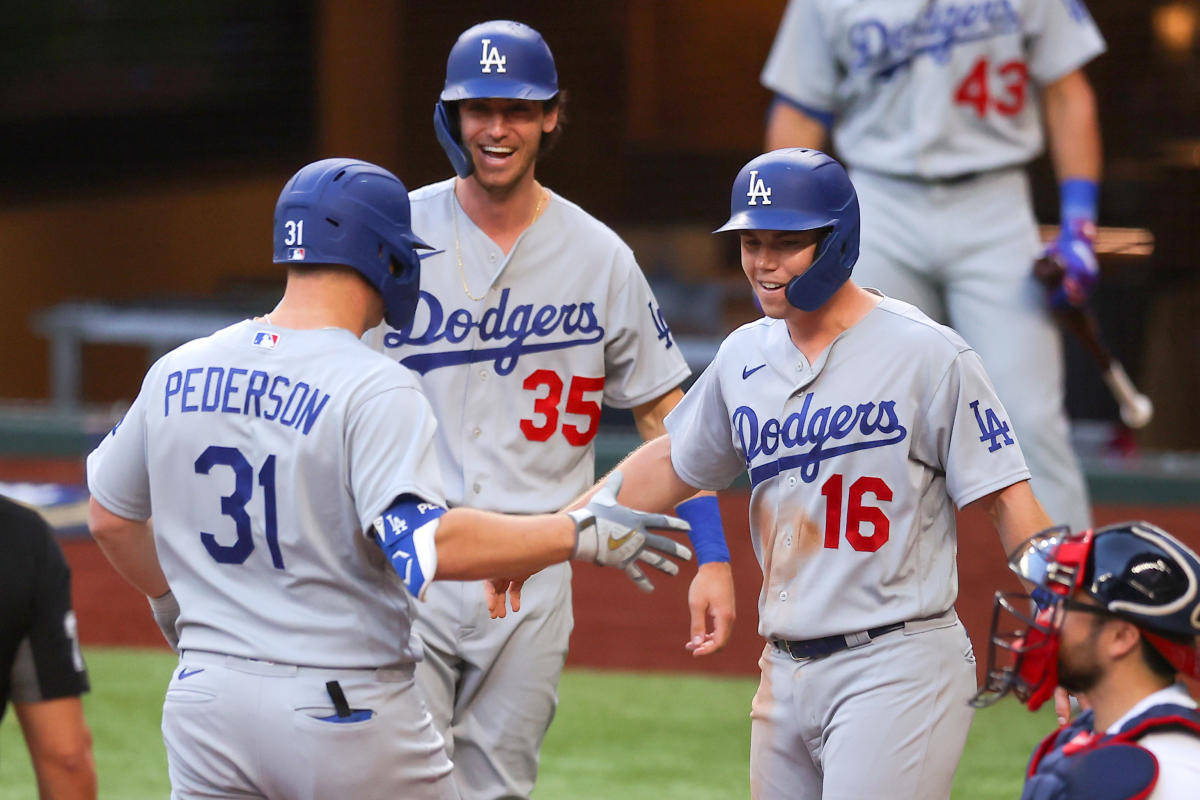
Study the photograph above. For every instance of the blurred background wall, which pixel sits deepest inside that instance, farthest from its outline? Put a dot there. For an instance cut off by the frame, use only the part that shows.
(144, 144)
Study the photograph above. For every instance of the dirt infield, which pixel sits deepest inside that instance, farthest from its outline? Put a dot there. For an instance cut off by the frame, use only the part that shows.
(617, 626)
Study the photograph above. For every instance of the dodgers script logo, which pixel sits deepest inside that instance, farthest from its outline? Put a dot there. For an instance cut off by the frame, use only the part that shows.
(882, 49)
(492, 58)
(877, 423)
(758, 190)
(516, 331)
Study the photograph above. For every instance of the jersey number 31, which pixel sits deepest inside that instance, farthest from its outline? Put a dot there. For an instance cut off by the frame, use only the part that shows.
(234, 505)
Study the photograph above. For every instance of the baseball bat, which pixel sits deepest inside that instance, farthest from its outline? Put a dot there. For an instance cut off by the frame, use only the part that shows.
(1136, 409)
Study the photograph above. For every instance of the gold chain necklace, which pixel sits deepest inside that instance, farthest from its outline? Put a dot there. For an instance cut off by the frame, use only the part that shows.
(462, 272)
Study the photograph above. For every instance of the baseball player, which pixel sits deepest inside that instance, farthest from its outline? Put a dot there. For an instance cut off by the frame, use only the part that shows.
(862, 425)
(41, 668)
(936, 106)
(286, 466)
(531, 317)
(1117, 615)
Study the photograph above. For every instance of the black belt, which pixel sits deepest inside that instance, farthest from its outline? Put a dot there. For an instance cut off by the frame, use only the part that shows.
(828, 645)
(942, 180)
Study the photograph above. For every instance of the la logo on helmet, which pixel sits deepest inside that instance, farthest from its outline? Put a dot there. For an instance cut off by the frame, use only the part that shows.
(492, 58)
(758, 189)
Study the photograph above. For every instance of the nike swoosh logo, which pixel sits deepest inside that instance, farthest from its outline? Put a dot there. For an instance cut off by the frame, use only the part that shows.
(747, 371)
(428, 253)
(614, 544)
(187, 673)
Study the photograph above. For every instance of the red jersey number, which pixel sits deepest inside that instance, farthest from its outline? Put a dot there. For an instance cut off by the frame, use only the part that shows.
(975, 91)
(857, 514)
(545, 407)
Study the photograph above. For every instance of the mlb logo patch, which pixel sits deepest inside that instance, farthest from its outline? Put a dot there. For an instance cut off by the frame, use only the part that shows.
(295, 254)
(266, 339)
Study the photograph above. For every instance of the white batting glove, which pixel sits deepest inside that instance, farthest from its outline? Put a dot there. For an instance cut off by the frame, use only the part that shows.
(611, 535)
(166, 612)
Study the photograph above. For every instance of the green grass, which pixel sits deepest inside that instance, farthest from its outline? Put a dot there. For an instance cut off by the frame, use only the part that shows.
(123, 710)
(617, 735)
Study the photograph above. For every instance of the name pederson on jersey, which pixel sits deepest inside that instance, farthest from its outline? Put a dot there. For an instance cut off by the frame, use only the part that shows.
(856, 464)
(268, 452)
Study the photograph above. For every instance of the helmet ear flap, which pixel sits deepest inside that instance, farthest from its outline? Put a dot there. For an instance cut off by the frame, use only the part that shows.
(449, 136)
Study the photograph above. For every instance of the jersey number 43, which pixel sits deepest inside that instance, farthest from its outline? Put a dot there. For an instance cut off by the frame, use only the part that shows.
(974, 91)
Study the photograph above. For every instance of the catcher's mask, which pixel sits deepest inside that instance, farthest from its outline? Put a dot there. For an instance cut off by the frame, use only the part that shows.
(1133, 570)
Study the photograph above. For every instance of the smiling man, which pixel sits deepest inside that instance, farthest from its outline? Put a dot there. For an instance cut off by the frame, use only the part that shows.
(862, 425)
(530, 317)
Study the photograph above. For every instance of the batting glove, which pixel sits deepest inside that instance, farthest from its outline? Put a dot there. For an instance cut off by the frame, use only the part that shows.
(611, 535)
(1074, 250)
(166, 612)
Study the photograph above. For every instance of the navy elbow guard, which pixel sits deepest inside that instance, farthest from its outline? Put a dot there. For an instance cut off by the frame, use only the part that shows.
(707, 535)
(406, 532)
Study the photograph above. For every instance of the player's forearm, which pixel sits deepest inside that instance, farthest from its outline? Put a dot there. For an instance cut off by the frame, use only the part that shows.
(129, 546)
(473, 544)
(651, 483)
(1017, 514)
(788, 126)
(649, 417)
(1073, 127)
(60, 748)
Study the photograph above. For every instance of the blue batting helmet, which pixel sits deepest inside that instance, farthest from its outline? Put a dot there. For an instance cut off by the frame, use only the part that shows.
(345, 211)
(801, 190)
(500, 58)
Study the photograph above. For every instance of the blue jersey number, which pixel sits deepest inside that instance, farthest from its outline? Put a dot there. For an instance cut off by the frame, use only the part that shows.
(234, 505)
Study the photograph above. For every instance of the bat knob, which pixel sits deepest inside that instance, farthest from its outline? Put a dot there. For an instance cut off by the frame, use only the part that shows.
(1137, 412)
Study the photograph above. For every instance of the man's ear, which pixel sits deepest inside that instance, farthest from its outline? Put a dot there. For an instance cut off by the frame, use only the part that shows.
(1121, 638)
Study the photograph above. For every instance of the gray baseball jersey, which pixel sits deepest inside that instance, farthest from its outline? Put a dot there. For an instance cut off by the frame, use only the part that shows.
(929, 89)
(856, 464)
(517, 352)
(263, 454)
(565, 322)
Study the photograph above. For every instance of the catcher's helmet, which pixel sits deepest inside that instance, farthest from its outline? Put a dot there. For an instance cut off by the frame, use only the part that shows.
(499, 58)
(796, 189)
(1133, 570)
(344, 211)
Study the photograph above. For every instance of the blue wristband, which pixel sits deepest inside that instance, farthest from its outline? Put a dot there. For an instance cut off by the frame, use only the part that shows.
(414, 561)
(1078, 199)
(708, 537)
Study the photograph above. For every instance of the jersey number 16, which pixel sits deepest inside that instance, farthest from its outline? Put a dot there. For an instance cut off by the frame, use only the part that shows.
(856, 513)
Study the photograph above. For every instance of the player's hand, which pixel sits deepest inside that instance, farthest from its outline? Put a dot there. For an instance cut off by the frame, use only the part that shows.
(710, 600)
(1074, 255)
(499, 592)
(1066, 704)
(166, 613)
(611, 535)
